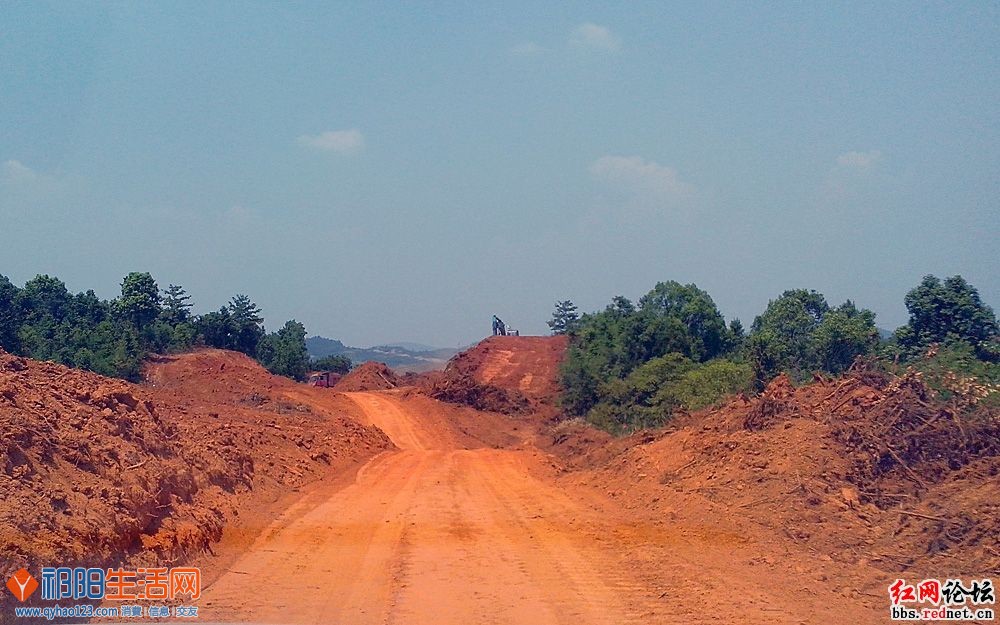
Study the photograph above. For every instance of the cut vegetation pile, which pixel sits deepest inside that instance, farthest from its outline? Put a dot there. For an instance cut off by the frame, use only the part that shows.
(868, 469)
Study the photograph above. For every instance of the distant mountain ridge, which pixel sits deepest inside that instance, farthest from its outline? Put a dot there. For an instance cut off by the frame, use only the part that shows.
(410, 347)
(402, 356)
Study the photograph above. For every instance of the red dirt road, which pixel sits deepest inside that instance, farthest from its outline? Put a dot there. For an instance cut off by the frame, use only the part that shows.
(428, 534)
(437, 533)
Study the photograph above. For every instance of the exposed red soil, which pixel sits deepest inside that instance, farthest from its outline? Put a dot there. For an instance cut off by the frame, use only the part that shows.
(369, 376)
(214, 374)
(447, 530)
(529, 364)
(100, 471)
(469, 428)
(437, 532)
(849, 483)
(510, 374)
(799, 506)
(841, 484)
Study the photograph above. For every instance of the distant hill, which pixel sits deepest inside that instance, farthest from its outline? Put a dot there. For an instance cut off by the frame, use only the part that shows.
(321, 347)
(400, 356)
(410, 347)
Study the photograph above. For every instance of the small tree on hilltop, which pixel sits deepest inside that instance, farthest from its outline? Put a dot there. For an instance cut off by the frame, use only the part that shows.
(176, 305)
(175, 329)
(216, 329)
(284, 352)
(564, 318)
(247, 324)
(140, 299)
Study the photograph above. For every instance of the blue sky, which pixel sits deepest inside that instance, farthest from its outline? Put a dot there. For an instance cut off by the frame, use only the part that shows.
(388, 172)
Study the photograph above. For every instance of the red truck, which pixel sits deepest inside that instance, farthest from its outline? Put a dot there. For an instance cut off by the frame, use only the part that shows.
(325, 379)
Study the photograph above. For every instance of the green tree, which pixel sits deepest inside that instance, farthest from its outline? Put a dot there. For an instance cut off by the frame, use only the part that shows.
(781, 337)
(335, 363)
(43, 296)
(127, 353)
(620, 360)
(10, 317)
(216, 329)
(140, 299)
(581, 377)
(45, 307)
(175, 328)
(694, 309)
(182, 336)
(284, 352)
(844, 334)
(597, 352)
(637, 401)
(737, 336)
(799, 334)
(88, 310)
(176, 305)
(247, 324)
(564, 318)
(948, 311)
(707, 384)
(76, 330)
(44, 321)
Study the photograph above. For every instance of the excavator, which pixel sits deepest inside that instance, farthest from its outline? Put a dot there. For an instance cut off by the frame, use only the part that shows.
(501, 329)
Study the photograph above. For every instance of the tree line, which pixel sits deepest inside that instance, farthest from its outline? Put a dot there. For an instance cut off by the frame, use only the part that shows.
(633, 365)
(44, 321)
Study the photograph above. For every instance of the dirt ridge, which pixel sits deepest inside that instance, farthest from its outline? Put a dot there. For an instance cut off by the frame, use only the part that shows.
(98, 471)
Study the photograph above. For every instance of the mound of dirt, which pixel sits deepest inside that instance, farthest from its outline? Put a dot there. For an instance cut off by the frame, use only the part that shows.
(527, 364)
(215, 374)
(90, 465)
(510, 374)
(369, 376)
(457, 389)
(867, 470)
(97, 471)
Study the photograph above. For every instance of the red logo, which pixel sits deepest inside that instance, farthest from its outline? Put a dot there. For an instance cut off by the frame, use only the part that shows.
(22, 584)
(929, 590)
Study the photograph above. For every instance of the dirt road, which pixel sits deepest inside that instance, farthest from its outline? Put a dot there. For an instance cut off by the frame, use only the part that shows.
(434, 533)
(428, 534)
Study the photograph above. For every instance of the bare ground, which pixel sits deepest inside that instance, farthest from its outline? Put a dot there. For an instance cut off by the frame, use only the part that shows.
(386, 504)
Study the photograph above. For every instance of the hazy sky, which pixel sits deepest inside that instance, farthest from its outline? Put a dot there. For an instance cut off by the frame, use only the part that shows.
(388, 172)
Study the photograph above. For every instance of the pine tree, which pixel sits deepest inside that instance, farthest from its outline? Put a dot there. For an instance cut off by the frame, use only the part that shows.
(176, 305)
(248, 325)
(564, 318)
